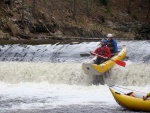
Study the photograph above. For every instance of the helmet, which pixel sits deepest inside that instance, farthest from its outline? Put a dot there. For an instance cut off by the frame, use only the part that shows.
(103, 41)
(109, 35)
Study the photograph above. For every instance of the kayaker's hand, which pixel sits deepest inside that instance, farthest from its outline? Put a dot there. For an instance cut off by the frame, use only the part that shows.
(144, 97)
(106, 57)
(91, 53)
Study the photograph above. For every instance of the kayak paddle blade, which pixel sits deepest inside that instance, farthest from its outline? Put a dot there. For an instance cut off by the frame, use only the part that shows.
(121, 63)
(84, 55)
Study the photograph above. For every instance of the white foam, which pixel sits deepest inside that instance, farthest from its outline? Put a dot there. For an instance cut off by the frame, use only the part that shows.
(44, 95)
(54, 73)
(131, 75)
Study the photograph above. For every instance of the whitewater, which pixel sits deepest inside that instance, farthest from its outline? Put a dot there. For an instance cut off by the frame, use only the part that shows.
(48, 78)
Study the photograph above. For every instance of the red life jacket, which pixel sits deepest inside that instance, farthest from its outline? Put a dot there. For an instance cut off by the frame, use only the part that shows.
(103, 51)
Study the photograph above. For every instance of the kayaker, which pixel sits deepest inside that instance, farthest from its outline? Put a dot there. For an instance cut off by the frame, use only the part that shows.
(103, 53)
(147, 96)
(111, 43)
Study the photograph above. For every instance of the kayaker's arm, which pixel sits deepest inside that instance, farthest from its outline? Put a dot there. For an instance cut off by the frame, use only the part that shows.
(94, 54)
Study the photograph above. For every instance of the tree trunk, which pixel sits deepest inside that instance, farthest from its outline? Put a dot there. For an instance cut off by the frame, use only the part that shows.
(108, 5)
(22, 16)
(129, 7)
(74, 9)
(2, 2)
(11, 4)
(33, 7)
(147, 17)
(87, 7)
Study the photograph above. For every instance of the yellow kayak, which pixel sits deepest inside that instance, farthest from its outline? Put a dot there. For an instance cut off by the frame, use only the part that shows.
(90, 68)
(132, 102)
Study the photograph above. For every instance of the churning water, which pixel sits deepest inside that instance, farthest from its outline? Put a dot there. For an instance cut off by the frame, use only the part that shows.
(49, 79)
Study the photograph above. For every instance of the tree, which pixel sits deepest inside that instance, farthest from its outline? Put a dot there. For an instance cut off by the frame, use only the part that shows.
(129, 6)
(107, 3)
(1, 1)
(22, 18)
(87, 7)
(147, 17)
(74, 9)
(33, 7)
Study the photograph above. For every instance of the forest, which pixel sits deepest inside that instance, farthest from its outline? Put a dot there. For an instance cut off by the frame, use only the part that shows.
(79, 19)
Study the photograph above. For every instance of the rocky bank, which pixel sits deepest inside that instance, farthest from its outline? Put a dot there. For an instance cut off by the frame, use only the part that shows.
(56, 19)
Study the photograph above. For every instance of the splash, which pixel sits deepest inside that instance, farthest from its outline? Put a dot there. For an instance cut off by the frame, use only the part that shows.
(54, 73)
(131, 75)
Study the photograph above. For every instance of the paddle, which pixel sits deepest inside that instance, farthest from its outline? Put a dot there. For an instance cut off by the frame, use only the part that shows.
(119, 62)
(87, 54)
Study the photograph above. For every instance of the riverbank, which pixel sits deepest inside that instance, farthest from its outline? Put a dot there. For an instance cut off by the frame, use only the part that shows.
(52, 40)
(25, 20)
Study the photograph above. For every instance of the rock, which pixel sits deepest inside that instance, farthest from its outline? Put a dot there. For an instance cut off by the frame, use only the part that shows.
(58, 33)
(14, 28)
(143, 33)
(5, 36)
(111, 24)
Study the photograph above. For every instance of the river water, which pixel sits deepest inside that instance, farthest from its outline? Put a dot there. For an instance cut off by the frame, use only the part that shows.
(48, 78)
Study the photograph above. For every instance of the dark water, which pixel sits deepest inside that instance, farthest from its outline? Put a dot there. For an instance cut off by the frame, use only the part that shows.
(101, 108)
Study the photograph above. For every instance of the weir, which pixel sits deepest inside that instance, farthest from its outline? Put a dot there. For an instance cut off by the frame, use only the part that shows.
(71, 73)
(132, 75)
(61, 63)
(54, 73)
